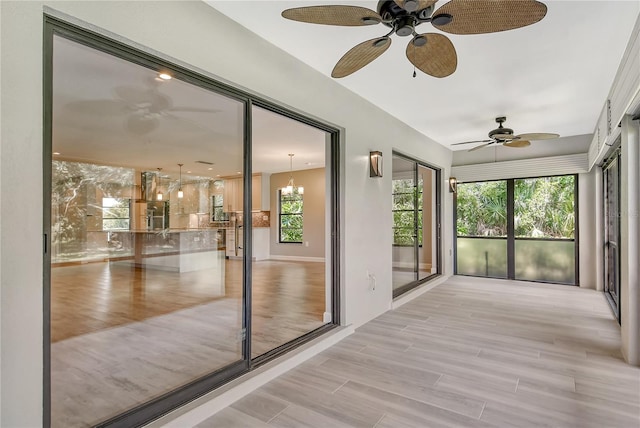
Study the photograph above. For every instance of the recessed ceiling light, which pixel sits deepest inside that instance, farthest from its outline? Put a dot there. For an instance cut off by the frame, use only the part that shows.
(188, 172)
(210, 169)
(238, 172)
(56, 153)
(218, 175)
(164, 76)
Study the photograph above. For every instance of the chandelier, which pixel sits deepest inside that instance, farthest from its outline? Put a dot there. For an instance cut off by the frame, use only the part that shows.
(291, 187)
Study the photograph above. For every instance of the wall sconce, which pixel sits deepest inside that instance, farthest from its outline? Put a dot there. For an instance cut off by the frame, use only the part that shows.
(375, 164)
(453, 185)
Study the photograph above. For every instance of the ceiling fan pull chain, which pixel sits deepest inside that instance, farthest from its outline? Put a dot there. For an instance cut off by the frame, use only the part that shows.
(414, 71)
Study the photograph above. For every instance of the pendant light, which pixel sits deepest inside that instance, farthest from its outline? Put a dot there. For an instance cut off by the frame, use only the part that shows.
(159, 194)
(180, 193)
(290, 187)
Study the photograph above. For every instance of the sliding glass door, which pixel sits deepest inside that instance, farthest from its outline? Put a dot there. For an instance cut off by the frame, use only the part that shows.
(162, 277)
(611, 188)
(521, 229)
(416, 223)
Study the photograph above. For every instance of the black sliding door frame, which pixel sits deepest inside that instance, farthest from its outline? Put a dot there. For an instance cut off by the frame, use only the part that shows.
(437, 234)
(157, 407)
(511, 238)
(611, 249)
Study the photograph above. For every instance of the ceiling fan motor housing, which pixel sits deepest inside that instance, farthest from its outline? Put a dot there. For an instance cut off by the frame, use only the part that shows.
(400, 19)
(501, 133)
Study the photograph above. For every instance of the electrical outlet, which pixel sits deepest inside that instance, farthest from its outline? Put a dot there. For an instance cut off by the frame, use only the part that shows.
(306, 244)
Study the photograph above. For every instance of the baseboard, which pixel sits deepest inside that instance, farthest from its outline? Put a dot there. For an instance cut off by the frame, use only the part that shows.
(418, 291)
(206, 406)
(297, 259)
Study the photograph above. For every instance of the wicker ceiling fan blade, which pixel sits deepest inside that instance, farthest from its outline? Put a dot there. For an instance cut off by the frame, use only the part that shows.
(437, 57)
(480, 146)
(414, 5)
(517, 143)
(360, 55)
(489, 16)
(473, 142)
(538, 136)
(350, 16)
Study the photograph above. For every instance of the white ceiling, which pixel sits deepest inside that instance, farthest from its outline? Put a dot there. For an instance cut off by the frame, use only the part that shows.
(552, 76)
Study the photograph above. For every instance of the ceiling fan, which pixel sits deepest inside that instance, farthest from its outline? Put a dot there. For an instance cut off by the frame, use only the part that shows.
(141, 107)
(504, 136)
(431, 53)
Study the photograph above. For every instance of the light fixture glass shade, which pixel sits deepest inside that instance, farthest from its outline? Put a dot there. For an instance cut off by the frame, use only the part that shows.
(180, 194)
(159, 196)
(453, 185)
(375, 164)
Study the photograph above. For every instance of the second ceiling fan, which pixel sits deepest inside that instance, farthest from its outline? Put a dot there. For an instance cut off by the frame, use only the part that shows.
(431, 53)
(504, 136)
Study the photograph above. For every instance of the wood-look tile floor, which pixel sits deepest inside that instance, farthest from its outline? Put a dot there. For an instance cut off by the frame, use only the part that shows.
(469, 353)
(122, 336)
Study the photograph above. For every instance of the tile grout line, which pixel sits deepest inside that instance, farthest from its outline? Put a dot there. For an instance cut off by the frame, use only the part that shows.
(343, 384)
(380, 420)
(482, 411)
(279, 413)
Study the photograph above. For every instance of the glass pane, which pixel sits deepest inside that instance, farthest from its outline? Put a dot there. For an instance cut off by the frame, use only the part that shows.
(482, 257)
(142, 310)
(291, 293)
(544, 207)
(405, 232)
(551, 261)
(482, 209)
(612, 230)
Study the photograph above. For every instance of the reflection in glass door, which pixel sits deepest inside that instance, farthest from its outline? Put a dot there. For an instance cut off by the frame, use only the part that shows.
(143, 301)
(416, 223)
(611, 187)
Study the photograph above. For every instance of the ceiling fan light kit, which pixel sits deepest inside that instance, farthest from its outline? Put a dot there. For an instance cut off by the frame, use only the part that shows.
(403, 16)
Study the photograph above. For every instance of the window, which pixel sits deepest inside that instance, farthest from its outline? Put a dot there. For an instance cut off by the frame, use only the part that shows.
(115, 214)
(522, 229)
(217, 208)
(405, 196)
(290, 216)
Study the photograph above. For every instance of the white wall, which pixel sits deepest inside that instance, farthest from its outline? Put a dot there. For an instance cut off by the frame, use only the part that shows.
(195, 35)
(587, 230)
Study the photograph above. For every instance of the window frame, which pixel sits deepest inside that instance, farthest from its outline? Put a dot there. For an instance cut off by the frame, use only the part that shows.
(104, 209)
(511, 238)
(296, 214)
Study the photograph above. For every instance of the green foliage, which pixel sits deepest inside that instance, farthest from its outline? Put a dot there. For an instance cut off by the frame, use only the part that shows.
(291, 217)
(405, 195)
(482, 209)
(543, 208)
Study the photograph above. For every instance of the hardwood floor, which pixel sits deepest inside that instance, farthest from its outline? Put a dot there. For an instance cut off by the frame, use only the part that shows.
(122, 336)
(470, 353)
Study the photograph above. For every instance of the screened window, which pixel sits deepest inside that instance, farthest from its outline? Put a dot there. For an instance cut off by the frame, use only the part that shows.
(290, 210)
(115, 214)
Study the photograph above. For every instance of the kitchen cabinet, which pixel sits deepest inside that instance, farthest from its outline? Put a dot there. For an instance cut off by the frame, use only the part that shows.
(234, 193)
